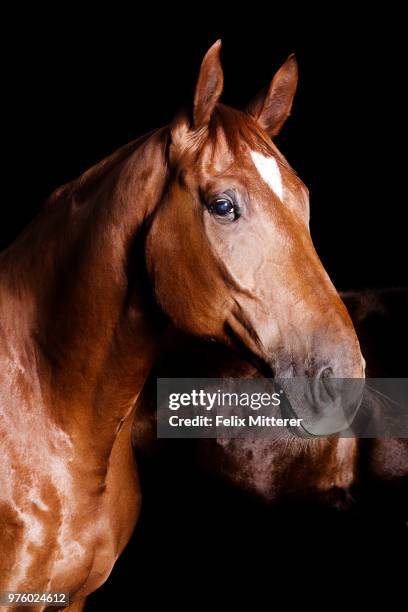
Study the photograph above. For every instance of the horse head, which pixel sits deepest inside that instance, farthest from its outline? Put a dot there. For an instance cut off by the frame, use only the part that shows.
(229, 249)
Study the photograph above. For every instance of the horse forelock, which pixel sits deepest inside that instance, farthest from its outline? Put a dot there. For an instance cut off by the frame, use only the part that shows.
(238, 129)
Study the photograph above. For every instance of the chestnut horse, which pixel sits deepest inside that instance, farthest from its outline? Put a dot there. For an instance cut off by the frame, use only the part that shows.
(202, 224)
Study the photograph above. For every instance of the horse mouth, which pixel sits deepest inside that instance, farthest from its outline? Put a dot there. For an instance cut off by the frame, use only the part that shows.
(323, 426)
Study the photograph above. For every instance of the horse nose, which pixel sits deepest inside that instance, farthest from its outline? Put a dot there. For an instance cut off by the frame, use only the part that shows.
(324, 387)
(337, 356)
(331, 390)
(325, 373)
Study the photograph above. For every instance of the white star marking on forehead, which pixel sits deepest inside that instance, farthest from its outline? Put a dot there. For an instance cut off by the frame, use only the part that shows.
(269, 170)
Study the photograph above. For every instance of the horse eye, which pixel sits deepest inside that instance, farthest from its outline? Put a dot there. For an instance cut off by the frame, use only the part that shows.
(222, 207)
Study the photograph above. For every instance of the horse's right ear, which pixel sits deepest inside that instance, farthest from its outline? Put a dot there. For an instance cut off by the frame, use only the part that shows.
(209, 87)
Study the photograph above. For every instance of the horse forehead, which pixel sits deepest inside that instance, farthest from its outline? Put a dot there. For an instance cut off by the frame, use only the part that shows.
(269, 171)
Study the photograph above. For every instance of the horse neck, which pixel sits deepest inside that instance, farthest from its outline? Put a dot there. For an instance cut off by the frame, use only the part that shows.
(74, 313)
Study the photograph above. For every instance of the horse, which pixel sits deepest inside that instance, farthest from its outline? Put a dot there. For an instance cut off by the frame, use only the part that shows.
(201, 225)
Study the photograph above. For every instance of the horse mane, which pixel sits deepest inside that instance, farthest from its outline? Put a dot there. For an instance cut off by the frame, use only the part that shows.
(40, 245)
(239, 127)
(83, 185)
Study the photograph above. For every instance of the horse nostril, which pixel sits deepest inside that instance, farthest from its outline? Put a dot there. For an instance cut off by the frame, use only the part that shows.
(325, 387)
(325, 373)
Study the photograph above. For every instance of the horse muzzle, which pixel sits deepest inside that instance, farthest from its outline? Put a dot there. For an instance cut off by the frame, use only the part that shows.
(326, 397)
(325, 405)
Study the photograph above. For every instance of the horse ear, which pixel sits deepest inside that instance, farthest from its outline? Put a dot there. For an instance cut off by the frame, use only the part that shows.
(271, 107)
(209, 86)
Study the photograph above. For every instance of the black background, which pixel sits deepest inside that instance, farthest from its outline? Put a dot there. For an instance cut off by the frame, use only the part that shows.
(78, 86)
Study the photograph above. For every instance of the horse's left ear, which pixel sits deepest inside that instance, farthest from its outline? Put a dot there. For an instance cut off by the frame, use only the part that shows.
(271, 107)
(209, 86)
